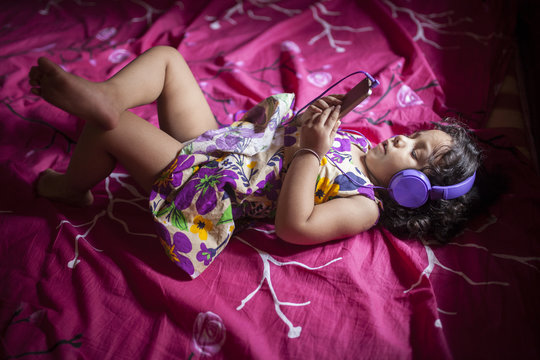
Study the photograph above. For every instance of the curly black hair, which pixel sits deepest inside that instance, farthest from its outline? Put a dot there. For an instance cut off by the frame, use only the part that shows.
(439, 220)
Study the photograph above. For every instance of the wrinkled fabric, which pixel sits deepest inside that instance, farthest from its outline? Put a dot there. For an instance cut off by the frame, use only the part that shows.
(94, 282)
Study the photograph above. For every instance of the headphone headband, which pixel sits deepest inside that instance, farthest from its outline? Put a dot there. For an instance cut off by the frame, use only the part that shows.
(452, 191)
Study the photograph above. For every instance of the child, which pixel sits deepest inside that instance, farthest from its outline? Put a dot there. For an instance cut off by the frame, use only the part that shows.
(201, 179)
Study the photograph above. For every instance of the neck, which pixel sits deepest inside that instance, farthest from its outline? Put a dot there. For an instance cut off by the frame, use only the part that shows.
(368, 172)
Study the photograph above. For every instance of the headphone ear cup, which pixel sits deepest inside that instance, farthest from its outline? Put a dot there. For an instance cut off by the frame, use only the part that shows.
(410, 188)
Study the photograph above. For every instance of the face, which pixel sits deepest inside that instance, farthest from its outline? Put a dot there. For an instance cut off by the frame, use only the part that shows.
(403, 152)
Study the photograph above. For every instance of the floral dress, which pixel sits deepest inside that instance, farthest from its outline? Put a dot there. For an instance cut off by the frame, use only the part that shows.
(236, 172)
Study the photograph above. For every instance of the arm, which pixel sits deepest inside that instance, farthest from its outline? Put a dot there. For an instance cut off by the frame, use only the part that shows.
(298, 220)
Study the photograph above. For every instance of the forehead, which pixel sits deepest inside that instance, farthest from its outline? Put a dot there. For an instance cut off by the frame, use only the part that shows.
(433, 138)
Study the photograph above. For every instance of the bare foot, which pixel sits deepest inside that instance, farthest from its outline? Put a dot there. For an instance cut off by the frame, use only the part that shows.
(51, 185)
(91, 101)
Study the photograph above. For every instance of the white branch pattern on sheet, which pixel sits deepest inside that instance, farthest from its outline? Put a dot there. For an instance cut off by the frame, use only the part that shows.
(328, 28)
(73, 262)
(150, 11)
(294, 331)
(110, 214)
(434, 261)
(239, 9)
(427, 21)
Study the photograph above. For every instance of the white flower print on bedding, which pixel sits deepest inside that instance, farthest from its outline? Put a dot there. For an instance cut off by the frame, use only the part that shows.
(407, 97)
(209, 334)
(106, 33)
(119, 55)
(319, 78)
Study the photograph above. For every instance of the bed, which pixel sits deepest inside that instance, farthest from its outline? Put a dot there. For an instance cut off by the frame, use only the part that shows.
(94, 283)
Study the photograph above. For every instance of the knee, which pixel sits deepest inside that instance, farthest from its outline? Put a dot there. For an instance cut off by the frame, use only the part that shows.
(166, 51)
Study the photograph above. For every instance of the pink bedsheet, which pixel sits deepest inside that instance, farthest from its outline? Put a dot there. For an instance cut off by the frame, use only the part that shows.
(94, 283)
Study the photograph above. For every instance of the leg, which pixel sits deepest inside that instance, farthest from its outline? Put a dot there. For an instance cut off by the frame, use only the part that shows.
(112, 133)
(183, 110)
(143, 149)
(159, 74)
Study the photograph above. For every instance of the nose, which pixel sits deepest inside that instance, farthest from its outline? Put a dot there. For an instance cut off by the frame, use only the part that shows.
(399, 141)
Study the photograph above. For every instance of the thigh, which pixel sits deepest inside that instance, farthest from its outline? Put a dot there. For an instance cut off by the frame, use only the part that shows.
(183, 110)
(143, 149)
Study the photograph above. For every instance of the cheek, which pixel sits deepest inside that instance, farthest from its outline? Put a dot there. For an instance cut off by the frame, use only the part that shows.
(395, 165)
(381, 169)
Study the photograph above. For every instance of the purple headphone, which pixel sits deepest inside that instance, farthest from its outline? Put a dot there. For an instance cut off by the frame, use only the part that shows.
(411, 188)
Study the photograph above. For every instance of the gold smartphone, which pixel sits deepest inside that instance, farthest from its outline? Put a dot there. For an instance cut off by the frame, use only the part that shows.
(355, 96)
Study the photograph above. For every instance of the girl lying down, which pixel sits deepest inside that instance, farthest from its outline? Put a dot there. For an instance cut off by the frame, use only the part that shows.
(318, 182)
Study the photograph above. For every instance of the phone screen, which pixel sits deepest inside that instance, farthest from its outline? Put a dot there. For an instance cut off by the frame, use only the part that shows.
(355, 96)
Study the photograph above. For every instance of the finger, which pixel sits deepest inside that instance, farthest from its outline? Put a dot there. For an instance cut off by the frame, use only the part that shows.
(337, 124)
(314, 109)
(333, 100)
(325, 115)
(313, 119)
(333, 116)
(321, 104)
(334, 131)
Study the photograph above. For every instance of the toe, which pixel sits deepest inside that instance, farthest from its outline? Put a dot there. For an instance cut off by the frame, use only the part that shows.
(35, 75)
(48, 66)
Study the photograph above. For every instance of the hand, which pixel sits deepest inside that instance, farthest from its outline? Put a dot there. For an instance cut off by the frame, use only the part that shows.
(318, 132)
(318, 106)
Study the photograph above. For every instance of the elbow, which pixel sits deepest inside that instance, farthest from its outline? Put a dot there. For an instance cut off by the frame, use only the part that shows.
(286, 234)
(294, 234)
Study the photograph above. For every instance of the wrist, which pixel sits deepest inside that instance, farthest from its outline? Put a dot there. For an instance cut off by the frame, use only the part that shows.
(307, 151)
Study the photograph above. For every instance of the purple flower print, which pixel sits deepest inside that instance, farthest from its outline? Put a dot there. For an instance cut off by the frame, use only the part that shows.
(269, 187)
(288, 139)
(210, 149)
(228, 142)
(205, 182)
(206, 255)
(210, 135)
(248, 132)
(183, 162)
(257, 115)
(179, 244)
(234, 140)
(345, 183)
(172, 175)
(335, 156)
(154, 194)
(362, 142)
(342, 144)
